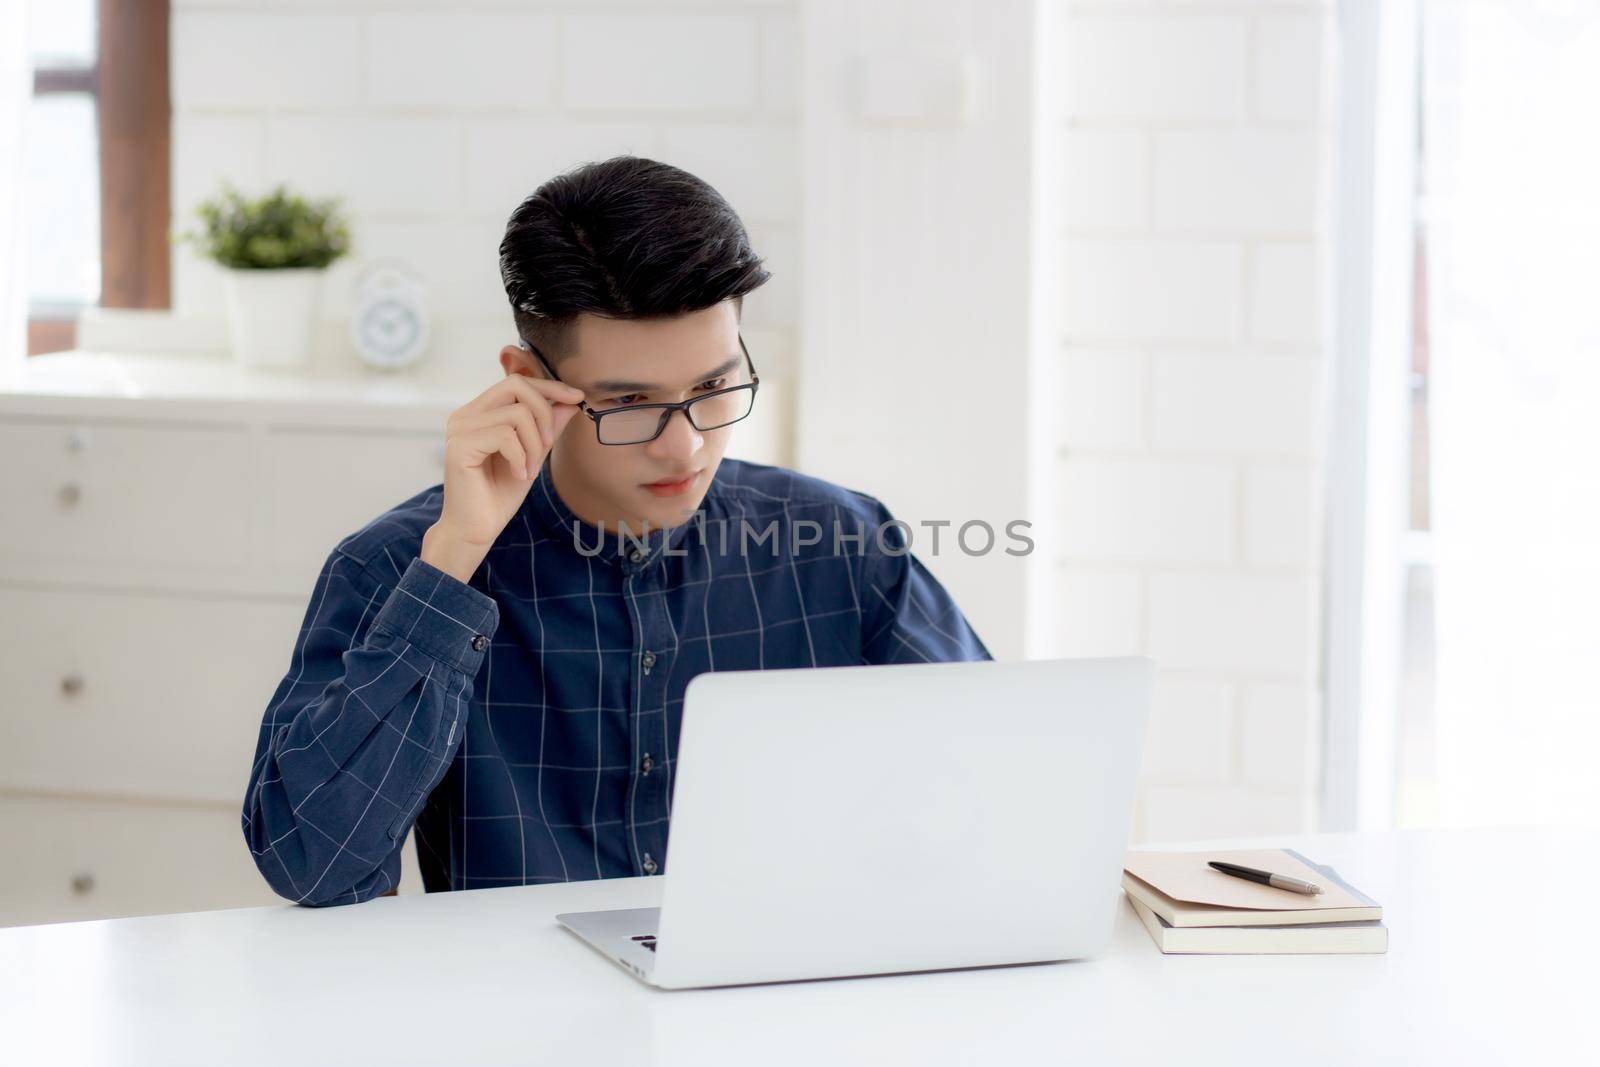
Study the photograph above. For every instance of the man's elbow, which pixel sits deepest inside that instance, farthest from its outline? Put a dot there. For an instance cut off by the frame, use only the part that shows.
(303, 866)
(318, 895)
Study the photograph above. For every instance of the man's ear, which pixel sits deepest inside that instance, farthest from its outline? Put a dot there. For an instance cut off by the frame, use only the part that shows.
(517, 360)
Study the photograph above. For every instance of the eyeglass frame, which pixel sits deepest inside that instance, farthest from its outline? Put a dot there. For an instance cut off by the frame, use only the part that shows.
(683, 405)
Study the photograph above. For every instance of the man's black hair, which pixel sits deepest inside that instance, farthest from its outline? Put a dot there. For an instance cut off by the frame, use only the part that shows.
(627, 238)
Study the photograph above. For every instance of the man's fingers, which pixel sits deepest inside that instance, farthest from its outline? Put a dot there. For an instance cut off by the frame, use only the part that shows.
(547, 408)
(508, 443)
(476, 447)
(520, 418)
(513, 385)
(567, 394)
(540, 411)
(533, 411)
(497, 394)
(544, 389)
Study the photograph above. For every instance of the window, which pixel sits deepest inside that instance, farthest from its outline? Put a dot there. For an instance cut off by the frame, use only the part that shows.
(97, 184)
(1498, 724)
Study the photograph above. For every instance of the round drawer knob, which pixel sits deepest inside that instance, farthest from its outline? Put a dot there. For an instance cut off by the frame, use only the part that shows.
(70, 494)
(78, 440)
(72, 683)
(83, 883)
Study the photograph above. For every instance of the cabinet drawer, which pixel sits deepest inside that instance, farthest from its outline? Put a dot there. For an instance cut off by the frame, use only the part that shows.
(68, 859)
(323, 486)
(153, 696)
(125, 493)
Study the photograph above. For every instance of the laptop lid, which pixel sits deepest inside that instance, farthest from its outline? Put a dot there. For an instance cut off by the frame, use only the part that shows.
(866, 820)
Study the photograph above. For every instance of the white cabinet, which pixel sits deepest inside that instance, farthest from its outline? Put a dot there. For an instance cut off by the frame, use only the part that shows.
(67, 484)
(136, 693)
(85, 858)
(162, 523)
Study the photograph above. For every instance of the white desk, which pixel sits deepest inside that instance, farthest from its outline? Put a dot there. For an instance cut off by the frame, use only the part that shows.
(486, 977)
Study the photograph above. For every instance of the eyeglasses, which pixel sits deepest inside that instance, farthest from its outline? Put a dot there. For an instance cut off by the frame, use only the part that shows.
(638, 423)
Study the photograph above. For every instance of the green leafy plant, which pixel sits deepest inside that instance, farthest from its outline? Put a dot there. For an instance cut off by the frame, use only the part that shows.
(274, 232)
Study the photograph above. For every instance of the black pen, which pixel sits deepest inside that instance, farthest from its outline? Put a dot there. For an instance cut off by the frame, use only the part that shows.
(1277, 881)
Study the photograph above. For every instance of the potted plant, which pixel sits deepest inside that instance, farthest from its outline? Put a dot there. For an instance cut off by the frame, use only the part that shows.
(273, 251)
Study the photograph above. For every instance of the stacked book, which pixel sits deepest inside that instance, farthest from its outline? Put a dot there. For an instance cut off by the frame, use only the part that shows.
(1188, 907)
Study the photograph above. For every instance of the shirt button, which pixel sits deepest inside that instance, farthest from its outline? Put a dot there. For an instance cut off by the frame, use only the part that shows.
(479, 643)
(647, 660)
(636, 556)
(649, 864)
(647, 764)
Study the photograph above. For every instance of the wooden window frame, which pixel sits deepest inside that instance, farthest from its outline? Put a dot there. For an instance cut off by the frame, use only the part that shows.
(129, 81)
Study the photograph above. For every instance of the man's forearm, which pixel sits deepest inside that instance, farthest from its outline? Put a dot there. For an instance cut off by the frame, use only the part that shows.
(362, 728)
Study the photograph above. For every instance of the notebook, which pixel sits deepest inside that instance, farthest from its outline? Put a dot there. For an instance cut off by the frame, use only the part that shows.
(1182, 890)
(1320, 938)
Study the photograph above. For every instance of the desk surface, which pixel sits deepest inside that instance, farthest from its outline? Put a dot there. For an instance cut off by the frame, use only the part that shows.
(487, 977)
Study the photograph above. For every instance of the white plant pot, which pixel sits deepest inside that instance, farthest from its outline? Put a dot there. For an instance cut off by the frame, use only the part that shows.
(272, 315)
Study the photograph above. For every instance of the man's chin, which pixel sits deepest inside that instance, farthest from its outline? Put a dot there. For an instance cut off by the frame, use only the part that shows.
(664, 514)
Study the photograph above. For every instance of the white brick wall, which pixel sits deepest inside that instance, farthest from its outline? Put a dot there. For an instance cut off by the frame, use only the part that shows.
(661, 62)
(1234, 403)
(1103, 399)
(1144, 289)
(1195, 141)
(1148, 511)
(1232, 621)
(1286, 284)
(1102, 611)
(385, 165)
(1235, 180)
(1290, 72)
(1158, 67)
(265, 59)
(463, 60)
(432, 120)
(1191, 732)
(1107, 174)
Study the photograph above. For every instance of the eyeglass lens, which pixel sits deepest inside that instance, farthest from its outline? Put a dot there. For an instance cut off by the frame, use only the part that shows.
(626, 427)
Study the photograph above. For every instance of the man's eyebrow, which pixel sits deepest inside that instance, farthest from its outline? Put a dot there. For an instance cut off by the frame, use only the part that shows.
(622, 385)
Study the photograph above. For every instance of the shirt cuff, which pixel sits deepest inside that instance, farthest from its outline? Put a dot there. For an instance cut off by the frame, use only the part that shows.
(440, 614)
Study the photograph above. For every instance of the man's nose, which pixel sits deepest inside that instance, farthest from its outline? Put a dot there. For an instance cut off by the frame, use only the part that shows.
(679, 441)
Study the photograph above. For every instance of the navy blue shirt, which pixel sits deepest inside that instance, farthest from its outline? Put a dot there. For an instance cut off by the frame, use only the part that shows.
(526, 723)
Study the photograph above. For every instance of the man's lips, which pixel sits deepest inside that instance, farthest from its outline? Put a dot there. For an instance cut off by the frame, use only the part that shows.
(674, 479)
(674, 484)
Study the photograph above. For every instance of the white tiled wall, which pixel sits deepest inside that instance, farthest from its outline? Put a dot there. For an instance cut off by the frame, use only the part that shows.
(1197, 154)
(1196, 147)
(433, 119)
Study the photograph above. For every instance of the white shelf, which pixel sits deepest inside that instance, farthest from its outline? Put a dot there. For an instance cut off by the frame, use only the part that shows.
(211, 388)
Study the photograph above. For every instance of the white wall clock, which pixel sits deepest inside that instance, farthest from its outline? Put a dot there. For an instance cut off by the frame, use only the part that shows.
(390, 323)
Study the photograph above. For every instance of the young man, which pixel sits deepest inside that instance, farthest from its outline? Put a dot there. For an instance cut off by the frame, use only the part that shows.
(490, 663)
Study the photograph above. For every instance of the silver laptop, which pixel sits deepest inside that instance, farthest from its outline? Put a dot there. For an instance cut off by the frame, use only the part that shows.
(847, 821)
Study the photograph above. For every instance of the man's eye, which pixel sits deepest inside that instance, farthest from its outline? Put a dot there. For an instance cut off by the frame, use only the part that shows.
(634, 398)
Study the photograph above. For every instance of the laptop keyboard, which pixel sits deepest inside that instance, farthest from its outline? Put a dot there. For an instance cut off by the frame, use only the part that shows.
(647, 940)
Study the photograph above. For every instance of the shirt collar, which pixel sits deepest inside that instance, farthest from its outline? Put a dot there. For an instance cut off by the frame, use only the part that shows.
(632, 551)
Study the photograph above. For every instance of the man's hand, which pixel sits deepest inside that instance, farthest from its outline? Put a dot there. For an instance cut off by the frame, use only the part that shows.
(494, 447)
